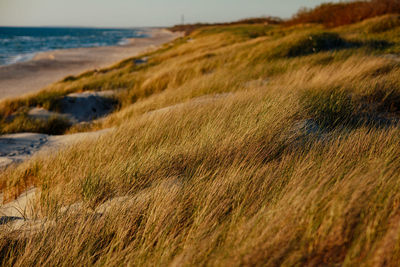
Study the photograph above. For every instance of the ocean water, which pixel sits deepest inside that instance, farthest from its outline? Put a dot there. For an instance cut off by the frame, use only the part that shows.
(19, 44)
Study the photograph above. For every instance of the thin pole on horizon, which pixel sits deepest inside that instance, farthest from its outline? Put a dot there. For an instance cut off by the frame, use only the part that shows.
(183, 19)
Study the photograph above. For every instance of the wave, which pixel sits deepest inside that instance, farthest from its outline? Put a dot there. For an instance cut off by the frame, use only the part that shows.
(26, 38)
(21, 44)
(21, 58)
(124, 42)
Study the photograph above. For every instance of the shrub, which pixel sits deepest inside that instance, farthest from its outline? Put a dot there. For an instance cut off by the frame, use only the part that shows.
(55, 125)
(69, 78)
(329, 108)
(47, 99)
(23, 123)
(313, 43)
(383, 97)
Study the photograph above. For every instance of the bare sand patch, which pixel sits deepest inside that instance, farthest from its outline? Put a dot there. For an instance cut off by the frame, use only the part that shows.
(87, 106)
(16, 148)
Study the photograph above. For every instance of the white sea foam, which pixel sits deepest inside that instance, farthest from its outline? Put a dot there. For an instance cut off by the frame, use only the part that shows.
(21, 58)
(124, 42)
(26, 38)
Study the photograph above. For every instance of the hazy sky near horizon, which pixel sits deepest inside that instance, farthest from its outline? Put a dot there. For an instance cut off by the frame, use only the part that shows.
(130, 13)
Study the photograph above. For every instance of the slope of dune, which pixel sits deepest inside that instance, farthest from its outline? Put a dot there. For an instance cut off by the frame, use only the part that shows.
(236, 145)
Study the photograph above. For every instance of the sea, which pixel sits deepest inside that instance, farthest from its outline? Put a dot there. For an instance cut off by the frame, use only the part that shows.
(18, 44)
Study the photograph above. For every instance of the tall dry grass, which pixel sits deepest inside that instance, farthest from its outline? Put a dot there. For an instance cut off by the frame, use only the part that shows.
(228, 151)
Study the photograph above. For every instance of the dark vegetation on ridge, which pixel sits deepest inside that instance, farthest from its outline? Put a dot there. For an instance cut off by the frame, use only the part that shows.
(344, 13)
(327, 14)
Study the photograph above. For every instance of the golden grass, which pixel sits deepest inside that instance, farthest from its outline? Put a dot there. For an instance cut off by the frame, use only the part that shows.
(228, 154)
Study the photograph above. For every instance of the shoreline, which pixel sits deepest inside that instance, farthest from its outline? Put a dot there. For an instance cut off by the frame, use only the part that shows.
(49, 67)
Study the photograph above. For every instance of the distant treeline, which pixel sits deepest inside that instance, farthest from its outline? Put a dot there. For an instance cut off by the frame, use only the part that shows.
(337, 14)
(327, 14)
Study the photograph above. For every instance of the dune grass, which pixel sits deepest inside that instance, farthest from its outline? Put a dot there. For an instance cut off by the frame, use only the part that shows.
(230, 150)
(23, 123)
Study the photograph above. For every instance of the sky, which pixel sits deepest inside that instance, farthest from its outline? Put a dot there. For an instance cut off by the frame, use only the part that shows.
(138, 13)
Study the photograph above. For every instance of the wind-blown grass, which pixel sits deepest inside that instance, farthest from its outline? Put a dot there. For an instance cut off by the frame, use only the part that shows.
(226, 154)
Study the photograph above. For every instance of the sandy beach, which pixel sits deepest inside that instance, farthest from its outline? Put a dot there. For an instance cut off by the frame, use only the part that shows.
(49, 67)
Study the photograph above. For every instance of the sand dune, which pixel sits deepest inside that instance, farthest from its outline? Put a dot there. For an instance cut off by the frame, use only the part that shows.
(15, 148)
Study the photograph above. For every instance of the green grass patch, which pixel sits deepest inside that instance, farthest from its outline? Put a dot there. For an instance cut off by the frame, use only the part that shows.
(311, 43)
(329, 108)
